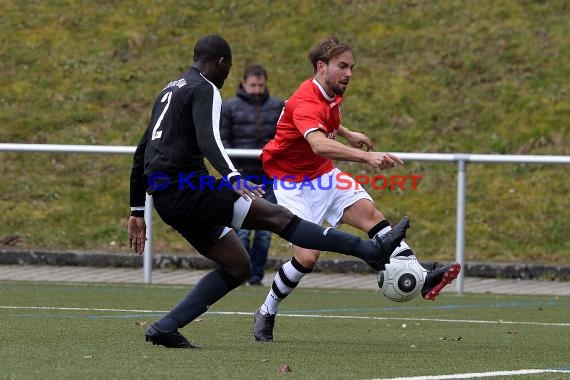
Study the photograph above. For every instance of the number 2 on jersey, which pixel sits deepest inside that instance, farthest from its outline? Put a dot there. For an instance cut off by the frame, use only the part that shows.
(155, 132)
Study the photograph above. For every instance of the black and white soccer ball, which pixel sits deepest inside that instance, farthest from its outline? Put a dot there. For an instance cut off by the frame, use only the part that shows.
(402, 279)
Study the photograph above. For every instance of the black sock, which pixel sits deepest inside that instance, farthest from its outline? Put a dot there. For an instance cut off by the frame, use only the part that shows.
(312, 236)
(377, 228)
(213, 286)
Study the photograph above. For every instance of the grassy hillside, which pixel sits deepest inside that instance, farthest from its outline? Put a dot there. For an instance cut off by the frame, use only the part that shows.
(443, 76)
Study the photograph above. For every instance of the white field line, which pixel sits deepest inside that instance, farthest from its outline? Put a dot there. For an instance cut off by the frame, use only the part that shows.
(559, 324)
(81, 309)
(482, 374)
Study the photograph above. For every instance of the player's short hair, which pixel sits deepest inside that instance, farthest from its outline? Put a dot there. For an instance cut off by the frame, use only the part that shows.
(211, 48)
(327, 49)
(254, 70)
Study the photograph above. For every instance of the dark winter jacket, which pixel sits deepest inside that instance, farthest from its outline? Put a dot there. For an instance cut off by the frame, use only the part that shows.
(249, 122)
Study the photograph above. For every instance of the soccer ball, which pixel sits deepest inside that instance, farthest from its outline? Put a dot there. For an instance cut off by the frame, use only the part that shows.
(402, 279)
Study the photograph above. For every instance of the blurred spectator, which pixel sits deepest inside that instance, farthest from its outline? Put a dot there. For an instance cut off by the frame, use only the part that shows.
(248, 121)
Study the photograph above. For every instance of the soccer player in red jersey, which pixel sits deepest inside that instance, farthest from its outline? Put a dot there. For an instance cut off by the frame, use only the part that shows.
(307, 182)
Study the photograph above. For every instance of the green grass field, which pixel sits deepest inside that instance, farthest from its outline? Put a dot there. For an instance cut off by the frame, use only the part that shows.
(71, 331)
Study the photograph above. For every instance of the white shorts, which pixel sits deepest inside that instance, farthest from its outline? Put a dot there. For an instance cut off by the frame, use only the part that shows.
(241, 208)
(323, 199)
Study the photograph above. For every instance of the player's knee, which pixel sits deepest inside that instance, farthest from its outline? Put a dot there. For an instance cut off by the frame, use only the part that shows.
(241, 271)
(306, 257)
(279, 218)
(244, 272)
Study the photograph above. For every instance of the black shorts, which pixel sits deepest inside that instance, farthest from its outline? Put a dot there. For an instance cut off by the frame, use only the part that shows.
(198, 215)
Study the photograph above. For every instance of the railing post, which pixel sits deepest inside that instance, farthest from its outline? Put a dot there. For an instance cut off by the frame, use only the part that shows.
(460, 223)
(461, 159)
(147, 259)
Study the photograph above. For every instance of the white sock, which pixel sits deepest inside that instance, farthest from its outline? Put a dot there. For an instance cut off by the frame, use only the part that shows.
(402, 247)
(281, 287)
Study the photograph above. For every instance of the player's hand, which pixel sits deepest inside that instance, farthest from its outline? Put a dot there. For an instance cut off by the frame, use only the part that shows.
(382, 160)
(359, 140)
(248, 190)
(137, 234)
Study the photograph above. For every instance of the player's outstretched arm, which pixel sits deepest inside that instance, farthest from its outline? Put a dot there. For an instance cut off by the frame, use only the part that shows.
(335, 150)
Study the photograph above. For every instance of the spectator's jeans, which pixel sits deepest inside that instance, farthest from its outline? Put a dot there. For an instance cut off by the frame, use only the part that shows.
(258, 249)
(257, 246)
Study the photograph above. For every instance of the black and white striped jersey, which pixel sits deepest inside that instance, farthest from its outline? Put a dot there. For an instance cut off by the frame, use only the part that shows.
(183, 129)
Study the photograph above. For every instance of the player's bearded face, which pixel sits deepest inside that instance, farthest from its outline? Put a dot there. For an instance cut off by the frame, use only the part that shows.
(339, 72)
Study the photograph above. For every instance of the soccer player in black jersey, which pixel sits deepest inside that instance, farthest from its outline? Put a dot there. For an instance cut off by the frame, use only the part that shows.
(169, 165)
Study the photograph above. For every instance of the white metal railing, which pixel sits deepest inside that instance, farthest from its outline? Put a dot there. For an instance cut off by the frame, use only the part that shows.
(462, 159)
